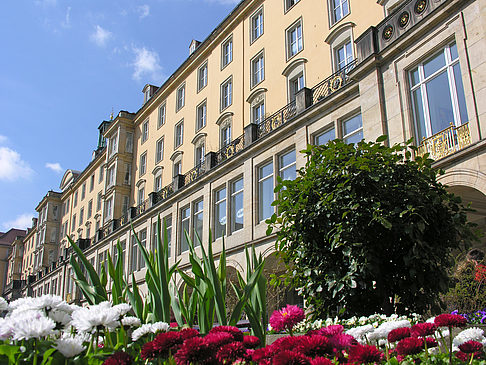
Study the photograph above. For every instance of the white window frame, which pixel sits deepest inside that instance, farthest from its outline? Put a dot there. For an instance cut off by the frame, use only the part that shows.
(143, 164)
(234, 194)
(145, 131)
(129, 142)
(260, 181)
(199, 153)
(201, 115)
(345, 137)
(299, 40)
(197, 211)
(333, 8)
(227, 52)
(348, 55)
(223, 199)
(159, 150)
(180, 97)
(202, 76)
(185, 219)
(158, 180)
(258, 112)
(179, 134)
(289, 4)
(282, 169)
(256, 25)
(162, 115)
(257, 69)
(226, 93)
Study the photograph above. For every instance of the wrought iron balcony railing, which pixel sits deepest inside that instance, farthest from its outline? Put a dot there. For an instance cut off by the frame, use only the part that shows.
(231, 149)
(446, 142)
(332, 84)
(277, 119)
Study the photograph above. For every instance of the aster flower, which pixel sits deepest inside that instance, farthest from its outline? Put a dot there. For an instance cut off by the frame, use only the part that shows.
(360, 333)
(262, 355)
(6, 330)
(31, 324)
(231, 352)
(286, 318)
(160, 327)
(342, 341)
(122, 308)
(321, 361)
(251, 342)
(410, 346)
(234, 331)
(423, 329)
(148, 351)
(285, 343)
(470, 347)
(3, 304)
(195, 351)
(218, 339)
(186, 333)
(398, 334)
(69, 346)
(119, 358)
(313, 346)
(381, 333)
(450, 320)
(331, 330)
(287, 357)
(141, 331)
(364, 354)
(130, 322)
(167, 343)
(469, 334)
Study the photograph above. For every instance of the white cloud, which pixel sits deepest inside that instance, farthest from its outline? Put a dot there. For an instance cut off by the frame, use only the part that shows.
(144, 11)
(146, 64)
(66, 23)
(3, 139)
(56, 167)
(12, 167)
(23, 221)
(100, 36)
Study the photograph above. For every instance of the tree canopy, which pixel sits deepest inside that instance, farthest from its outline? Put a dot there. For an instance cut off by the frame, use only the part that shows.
(365, 228)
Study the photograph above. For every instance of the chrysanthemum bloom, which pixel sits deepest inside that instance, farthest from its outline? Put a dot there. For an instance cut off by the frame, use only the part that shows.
(251, 342)
(313, 346)
(423, 329)
(361, 333)
(167, 343)
(287, 357)
(119, 358)
(3, 304)
(285, 343)
(331, 330)
(195, 351)
(186, 333)
(471, 346)
(231, 352)
(398, 334)
(321, 361)
(148, 351)
(160, 327)
(466, 357)
(469, 334)
(69, 346)
(262, 355)
(286, 318)
(410, 346)
(130, 322)
(342, 341)
(431, 342)
(381, 333)
(88, 319)
(218, 339)
(450, 320)
(234, 331)
(141, 331)
(31, 324)
(364, 354)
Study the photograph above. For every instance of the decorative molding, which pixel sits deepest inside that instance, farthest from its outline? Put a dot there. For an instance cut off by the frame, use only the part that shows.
(175, 155)
(260, 92)
(223, 117)
(336, 32)
(290, 67)
(197, 137)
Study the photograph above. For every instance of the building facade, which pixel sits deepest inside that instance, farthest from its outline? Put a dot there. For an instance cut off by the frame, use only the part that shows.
(206, 148)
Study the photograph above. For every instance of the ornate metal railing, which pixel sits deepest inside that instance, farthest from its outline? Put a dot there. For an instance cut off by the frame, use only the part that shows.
(231, 149)
(142, 207)
(125, 218)
(277, 119)
(446, 142)
(194, 173)
(165, 192)
(332, 84)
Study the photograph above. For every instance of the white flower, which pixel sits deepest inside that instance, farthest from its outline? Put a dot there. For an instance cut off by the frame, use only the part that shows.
(160, 327)
(131, 322)
(122, 308)
(69, 346)
(381, 333)
(470, 334)
(31, 324)
(88, 319)
(360, 333)
(141, 331)
(6, 330)
(3, 304)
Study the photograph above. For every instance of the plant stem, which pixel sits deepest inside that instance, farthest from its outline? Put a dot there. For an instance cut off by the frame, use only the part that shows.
(450, 345)
(35, 351)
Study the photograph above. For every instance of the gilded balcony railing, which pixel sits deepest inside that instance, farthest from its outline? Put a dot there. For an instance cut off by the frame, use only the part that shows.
(277, 119)
(332, 84)
(231, 149)
(194, 173)
(446, 142)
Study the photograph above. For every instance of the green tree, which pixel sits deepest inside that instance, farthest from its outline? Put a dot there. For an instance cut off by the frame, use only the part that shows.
(366, 229)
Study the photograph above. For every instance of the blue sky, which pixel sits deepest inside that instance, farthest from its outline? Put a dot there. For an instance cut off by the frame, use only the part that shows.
(64, 65)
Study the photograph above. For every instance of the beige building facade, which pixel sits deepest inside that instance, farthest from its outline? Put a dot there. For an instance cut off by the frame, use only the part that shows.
(205, 149)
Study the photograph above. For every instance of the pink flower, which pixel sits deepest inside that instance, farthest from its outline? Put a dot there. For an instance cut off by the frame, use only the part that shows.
(166, 343)
(234, 331)
(342, 341)
(471, 346)
(186, 333)
(218, 339)
(287, 357)
(251, 342)
(313, 346)
(195, 351)
(410, 346)
(398, 334)
(321, 361)
(231, 352)
(423, 329)
(331, 330)
(286, 343)
(364, 354)
(431, 342)
(450, 320)
(286, 318)
(148, 351)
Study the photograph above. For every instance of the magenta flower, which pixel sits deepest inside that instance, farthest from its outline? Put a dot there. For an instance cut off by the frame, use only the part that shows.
(234, 331)
(331, 330)
(364, 354)
(287, 357)
(231, 352)
(119, 358)
(398, 334)
(251, 342)
(450, 320)
(470, 347)
(313, 346)
(423, 329)
(410, 346)
(286, 318)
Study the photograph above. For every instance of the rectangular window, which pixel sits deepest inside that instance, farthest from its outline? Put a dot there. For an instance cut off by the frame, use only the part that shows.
(286, 165)
(73, 223)
(158, 182)
(226, 52)
(226, 93)
(129, 142)
(202, 77)
(225, 135)
(201, 115)
(220, 213)
(181, 96)
(126, 204)
(257, 25)
(113, 144)
(199, 154)
(290, 3)
(265, 191)
(110, 176)
(143, 163)
(340, 9)
(257, 70)
(197, 222)
(259, 113)
(344, 55)
(162, 113)
(81, 216)
(145, 131)
(91, 183)
(179, 134)
(98, 201)
(185, 227)
(102, 257)
(437, 93)
(295, 85)
(177, 168)
(128, 174)
(294, 39)
(88, 232)
(109, 208)
(159, 150)
(236, 205)
(75, 200)
(352, 129)
(140, 195)
(100, 179)
(325, 137)
(168, 226)
(137, 261)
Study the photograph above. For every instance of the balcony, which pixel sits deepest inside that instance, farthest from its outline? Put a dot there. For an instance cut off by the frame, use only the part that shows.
(446, 142)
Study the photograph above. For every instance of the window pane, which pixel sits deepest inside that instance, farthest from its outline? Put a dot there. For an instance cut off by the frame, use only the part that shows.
(287, 166)
(460, 93)
(454, 53)
(265, 192)
(419, 115)
(414, 77)
(439, 101)
(185, 215)
(352, 124)
(237, 205)
(355, 138)
(220, 214)
(198, 222)
(325, 137)
(434, 64)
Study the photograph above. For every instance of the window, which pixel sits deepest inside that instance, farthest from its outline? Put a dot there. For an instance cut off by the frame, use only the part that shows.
(257, 70)
(81, 216)
(352, 129)
(325, 137)
(158, 181)
(226, 52)
(90, 209)
(201, 115)
(226, 93)
(129, 142)
(258, 113)
(265, 191)
(202, 77)
(113, 144)
(137, 262)
(141, 195)
(168, 226)
(73, 223)
(177, 168)
(102, 257)
(162, 113)
(75, 200)
(98, 201)
(295, 84)
(340, 8)
(257, 25)
(236, 205)
(179, 134)
(159, 150)
(145, 131)
(128, 174)
(181, 96)
(343, 55)
(100, 179)
(225, 133)
(290, 3)
(109, 209)
(199, 154)
(185, 227)
(437, 93)
(197, 222)
(91, 183)
(143, 163)
(110, 176)
(286, 166)
(220, 213)
(123, 245)
(294, 39)
(125, 205)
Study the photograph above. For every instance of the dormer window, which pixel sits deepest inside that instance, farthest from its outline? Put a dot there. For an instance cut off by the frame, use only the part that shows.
(194, 44)
(148, 92)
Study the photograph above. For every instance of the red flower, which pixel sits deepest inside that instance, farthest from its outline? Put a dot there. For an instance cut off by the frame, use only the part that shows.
(342, 341)
(450, 320)
(321, 361)
(471, 346)
(364, 354)
(261, 356)
(234, 331)
(287, 357)
(218, 339)
(186, 333)
(231, 352)
(148, 351)
(331, 330)
(398, 334)
(167, 343)
(286, 318)
(410, 346)
(195, 351)
(466, 357)
(118, 358)
(285, 343)
(480, 273)
(313, 346)
(174, 325)
(423, 329)
(431, 342)
(251, 342)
